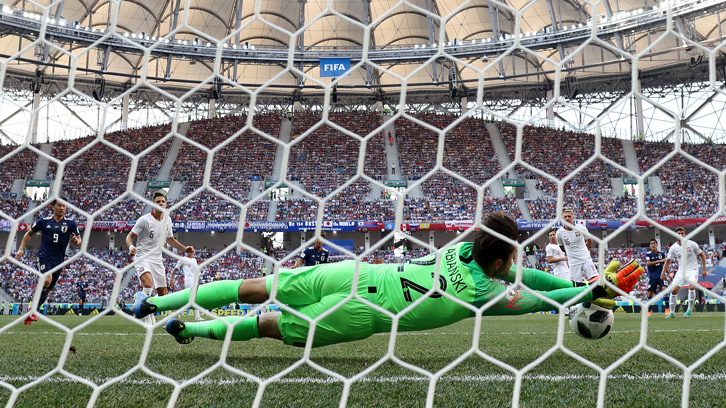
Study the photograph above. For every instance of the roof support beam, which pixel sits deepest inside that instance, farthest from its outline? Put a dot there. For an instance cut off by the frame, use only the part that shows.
(607, 110)
(494, 15)
(6, 137)
(370, 78)
(639, 117)
(618, 36)
(57, 15)
(16, 112)
(432, 39)
(237, 24)
(301, 38)
(173, 20)
(705, 103)
(669, 135)
(93, 130)
(687, 126)
(555, 28)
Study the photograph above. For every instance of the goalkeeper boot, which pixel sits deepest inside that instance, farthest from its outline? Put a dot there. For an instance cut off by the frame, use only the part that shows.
(142, 307)
(30, 319)
(687, 314)
(175, 327)
(670, 315)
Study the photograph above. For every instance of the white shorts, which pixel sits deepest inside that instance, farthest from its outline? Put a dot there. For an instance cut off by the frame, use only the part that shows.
(583, 272)
(684, 279)
(561, 272)
(157, 270)
(564, 274)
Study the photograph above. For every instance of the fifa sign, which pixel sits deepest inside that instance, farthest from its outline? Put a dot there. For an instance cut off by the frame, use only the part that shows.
(333, 67)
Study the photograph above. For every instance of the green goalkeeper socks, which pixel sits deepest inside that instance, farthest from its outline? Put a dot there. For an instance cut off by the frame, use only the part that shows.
(217, 329)
(209, 296)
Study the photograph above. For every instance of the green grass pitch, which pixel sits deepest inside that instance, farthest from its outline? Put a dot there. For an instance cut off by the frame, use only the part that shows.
(112, 346)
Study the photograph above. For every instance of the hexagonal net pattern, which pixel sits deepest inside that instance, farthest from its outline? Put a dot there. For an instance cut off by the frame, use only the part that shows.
(428, 327)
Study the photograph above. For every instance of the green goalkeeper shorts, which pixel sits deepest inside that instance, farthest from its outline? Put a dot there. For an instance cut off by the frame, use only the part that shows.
(312, 292)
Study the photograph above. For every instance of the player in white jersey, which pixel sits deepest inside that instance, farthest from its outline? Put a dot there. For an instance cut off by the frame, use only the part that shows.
(574, 243)
(189, 266)
(149, 229)
(687, 271)
(556, 258)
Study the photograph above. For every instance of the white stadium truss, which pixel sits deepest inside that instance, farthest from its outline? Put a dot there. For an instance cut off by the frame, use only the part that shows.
(630, 69)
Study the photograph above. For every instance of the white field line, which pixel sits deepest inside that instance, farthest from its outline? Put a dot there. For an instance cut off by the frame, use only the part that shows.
(711, 377)
(386, 334)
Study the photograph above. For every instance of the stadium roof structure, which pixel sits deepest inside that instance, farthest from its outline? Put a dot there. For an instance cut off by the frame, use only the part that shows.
(516, 51)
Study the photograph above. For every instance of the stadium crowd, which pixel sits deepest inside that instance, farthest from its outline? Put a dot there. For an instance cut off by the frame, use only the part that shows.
(327, 158)
(20, 164)
(21, 284)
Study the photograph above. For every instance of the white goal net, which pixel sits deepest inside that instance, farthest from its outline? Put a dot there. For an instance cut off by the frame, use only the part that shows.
(433, 115)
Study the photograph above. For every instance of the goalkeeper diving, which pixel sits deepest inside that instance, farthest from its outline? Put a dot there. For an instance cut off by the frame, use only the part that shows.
(466, 273)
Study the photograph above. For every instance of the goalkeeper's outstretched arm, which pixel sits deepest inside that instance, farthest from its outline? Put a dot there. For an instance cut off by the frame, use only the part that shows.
(538, 280)
(557, 290)
(520, 301)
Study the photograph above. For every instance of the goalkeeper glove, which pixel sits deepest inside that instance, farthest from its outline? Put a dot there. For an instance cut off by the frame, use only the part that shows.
(624, 278)
(604, 302)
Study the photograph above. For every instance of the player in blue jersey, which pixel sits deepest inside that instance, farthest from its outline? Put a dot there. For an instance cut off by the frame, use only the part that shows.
(82, 287)
(56, 232)
(654, 260)
(314, 255)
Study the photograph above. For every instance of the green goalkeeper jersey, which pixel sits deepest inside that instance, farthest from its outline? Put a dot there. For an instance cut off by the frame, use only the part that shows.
(460, 287)
(466, 288)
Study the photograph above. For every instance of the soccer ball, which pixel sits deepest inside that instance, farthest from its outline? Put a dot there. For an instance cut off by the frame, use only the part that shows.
(591, 321)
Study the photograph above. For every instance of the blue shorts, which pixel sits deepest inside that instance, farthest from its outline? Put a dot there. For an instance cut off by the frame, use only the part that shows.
(44, 266)
(655, 282)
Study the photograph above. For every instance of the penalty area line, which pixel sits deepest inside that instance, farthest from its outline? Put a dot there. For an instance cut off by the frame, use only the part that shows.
(711, 377)
(421, 333)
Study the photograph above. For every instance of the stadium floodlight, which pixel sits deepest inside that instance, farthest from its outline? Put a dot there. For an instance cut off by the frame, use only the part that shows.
(209, 44)
(166, 41)
(252, 47)
(126, 35)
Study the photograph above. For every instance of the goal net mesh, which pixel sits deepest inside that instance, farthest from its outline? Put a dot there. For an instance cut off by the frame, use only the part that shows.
(331, 163)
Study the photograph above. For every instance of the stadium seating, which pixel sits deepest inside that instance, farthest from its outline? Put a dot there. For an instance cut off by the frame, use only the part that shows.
(328, 158)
